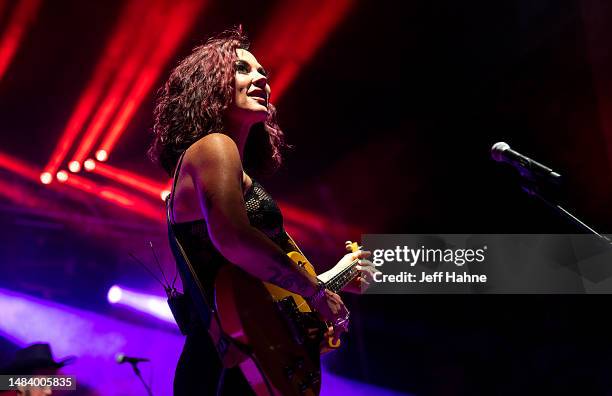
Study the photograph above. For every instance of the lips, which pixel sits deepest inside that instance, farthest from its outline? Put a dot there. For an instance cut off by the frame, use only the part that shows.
(258, 93)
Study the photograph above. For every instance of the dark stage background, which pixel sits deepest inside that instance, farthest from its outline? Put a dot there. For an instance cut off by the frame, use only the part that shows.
(392, 117)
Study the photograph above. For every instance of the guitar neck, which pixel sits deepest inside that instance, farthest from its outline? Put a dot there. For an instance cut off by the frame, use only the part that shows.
(342, 278)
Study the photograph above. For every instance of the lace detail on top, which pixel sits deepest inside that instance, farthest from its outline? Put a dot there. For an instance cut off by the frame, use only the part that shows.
(265, 215)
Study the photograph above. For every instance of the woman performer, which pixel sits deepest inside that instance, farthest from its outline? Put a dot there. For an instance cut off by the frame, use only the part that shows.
(215, 128)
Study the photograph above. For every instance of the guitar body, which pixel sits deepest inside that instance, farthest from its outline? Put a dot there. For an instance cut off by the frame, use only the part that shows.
(274, 324)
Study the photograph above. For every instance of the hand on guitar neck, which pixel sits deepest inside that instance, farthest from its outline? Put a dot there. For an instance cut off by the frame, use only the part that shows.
(355, 262)
(353, 273)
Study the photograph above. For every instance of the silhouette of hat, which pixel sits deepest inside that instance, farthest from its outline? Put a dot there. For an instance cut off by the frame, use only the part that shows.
(32, 358)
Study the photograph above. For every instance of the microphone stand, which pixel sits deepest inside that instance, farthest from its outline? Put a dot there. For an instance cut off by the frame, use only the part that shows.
(139, 375)
(531, 188)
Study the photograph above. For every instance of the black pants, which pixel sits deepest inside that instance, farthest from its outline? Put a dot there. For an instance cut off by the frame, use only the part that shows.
(199, 369)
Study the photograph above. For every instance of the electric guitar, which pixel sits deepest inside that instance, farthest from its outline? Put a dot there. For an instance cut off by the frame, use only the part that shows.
(284, 337)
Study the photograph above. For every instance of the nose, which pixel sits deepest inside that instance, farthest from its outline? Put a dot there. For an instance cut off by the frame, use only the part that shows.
(259, 80)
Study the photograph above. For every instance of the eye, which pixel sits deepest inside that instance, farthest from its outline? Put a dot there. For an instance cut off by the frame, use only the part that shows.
(242, 67)
(263, 72)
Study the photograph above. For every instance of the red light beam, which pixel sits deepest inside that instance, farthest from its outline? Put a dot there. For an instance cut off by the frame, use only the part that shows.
(19, 167)
(117, 197)
(20, 195)
(180, 21)
(129, 179)
(141, 45)
(23, 15)
(295, 32)
(3, 5)
(314, 222)
(113, 54)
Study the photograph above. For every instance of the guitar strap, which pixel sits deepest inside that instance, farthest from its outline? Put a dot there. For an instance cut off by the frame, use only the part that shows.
(295, 245)
(230, 351)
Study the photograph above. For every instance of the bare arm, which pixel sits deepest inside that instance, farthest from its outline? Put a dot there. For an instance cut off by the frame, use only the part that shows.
(215, 167)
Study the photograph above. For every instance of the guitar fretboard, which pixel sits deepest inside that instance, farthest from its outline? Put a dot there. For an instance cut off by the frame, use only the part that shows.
(337, 282)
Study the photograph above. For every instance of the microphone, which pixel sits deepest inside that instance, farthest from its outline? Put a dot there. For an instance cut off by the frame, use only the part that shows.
(133, 361)
(121, 358)
(501, 152)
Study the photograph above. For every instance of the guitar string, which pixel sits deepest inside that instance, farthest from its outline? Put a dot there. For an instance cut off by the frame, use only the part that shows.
(336, 277)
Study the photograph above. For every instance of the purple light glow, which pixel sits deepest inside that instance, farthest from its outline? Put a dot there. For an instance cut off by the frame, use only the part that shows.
(334, 385)
(150, 304)
(96, 339)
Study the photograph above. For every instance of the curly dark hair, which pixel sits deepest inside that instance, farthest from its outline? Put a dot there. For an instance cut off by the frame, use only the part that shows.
(192, 102)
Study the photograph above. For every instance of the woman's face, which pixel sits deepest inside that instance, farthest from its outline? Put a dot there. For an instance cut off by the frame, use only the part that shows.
(252, 94)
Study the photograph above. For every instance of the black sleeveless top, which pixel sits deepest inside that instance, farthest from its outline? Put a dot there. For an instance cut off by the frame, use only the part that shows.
(263, 213)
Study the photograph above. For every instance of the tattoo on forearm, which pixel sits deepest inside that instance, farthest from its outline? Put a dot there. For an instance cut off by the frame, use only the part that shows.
(289, 281)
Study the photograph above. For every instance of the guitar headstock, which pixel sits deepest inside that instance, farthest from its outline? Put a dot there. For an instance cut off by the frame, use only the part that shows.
(352, 246)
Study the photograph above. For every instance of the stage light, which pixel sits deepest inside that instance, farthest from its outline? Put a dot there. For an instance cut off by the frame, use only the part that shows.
(150, 304)
(62, 176)
(164, 194)
(114, 294)
(46, 178)
(89, 165)
(101, 155)
(74, 166)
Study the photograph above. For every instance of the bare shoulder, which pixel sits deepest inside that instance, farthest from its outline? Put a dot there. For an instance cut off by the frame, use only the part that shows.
(212, 146)
(213, 150)
(213, 162)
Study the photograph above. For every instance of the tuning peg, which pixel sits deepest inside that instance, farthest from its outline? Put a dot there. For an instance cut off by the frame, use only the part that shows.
(351, 246)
